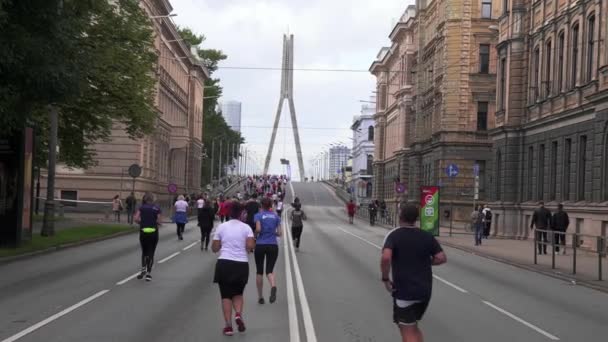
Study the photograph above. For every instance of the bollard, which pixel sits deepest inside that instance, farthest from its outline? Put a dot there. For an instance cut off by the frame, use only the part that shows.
(600, 249)
(574, 248)
(535, 250)
(552, 249)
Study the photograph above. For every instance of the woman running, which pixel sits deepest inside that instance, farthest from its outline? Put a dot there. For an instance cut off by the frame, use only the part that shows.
(268, 228)
(279, 207)
(224, 212)
(205, 222)
(181, 216)
(233, 240)
(148, 217)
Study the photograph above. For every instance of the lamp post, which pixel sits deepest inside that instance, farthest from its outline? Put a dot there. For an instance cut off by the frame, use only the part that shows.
(48, 221)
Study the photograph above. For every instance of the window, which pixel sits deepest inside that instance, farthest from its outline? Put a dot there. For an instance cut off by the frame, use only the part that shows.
(505, 6)
(590, 46)
(567, 165)
(486, 9)
(484, 58)
(370, 133)
(536, 61)
(530, 169)
(540, 171)
(70, 196)
(503, 83)
(574, 63)
(370, 162)
(553, 172)
(560, 62)
(482, 116)
(582, 161)
(548, 70)
(498, 175)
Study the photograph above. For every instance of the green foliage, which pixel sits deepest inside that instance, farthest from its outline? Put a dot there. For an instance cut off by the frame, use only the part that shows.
(214, 125)
(94, 60)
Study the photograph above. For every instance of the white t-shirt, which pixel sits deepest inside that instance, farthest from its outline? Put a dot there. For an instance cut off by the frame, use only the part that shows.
(233, 236)
(200, 203)
(181, 206)
(280, 205)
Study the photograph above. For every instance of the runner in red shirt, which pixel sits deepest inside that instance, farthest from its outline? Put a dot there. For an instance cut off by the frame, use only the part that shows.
(351, 208)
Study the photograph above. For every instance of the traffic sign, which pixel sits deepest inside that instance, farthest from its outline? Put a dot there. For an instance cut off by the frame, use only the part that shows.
(172, 188)
(400, 188)
(452, 170)
(134, 170)
(475, 169)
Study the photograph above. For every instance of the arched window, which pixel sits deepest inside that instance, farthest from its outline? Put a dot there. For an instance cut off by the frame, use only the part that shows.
(535, 75)
(370, 133)
(574, 64)
(560, 62)
(590, 46)
(548, 63)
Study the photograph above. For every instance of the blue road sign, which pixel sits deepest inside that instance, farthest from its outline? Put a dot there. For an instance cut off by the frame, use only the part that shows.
(452, 170)
(476, 169)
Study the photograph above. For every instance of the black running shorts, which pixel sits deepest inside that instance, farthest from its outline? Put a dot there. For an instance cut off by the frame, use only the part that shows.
(268, 253)
(231, 276)
(409, 315)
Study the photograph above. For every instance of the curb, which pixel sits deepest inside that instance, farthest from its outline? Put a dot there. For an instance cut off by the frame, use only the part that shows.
(551, 274)
(7, 260)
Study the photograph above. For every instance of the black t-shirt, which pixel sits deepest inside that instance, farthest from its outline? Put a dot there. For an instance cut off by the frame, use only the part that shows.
(413, 250)
(252, 208)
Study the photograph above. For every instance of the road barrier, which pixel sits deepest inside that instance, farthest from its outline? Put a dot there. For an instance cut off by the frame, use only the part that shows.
(577, 245)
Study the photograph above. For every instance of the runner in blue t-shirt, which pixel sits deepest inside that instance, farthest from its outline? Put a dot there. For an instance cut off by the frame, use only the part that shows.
(268, 228)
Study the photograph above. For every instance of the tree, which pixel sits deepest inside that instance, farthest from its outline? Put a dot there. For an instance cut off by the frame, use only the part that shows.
(214, 125)
(94, 60)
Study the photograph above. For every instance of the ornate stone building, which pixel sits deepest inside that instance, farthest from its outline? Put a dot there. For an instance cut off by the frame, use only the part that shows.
(173, 153)
(551, 137)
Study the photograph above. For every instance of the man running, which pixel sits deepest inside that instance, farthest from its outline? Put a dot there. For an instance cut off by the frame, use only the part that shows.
(410, 252)
(350, 209)
(252, 207)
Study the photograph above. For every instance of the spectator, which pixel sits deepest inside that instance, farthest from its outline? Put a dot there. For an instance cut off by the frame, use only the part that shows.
(559, 224)
(131, 204)
(542, 220)
(487, 221)
(372, 210)
(477, 224)
(116, 207)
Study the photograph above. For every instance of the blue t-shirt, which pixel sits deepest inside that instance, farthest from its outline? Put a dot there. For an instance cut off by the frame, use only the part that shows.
(148, 214)
(269, 222)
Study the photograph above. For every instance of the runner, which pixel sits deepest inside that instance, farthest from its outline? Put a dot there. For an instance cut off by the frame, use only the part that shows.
(297, 225)
(148, 217)
(233, 240)
(181, 216)
(205, 222)
(350, 209)
(268, 228)
(279, 207)
(252, 207)
(410, 252)
(224, 211)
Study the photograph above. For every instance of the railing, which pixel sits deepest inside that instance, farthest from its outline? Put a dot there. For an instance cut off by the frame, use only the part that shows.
(385, 217)
(576, 245)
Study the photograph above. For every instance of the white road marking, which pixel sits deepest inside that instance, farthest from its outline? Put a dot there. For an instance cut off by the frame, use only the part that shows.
(309, 327)
(189, 246)
(529, 325)
(450, 284)
(55, 317)
(294, 328)
(378, 247)
(124, 281)
(169, 257)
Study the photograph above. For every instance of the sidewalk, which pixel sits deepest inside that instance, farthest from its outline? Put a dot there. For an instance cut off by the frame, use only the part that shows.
(520, 253)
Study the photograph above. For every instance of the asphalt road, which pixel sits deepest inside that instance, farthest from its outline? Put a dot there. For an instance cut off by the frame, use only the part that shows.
(328, 291)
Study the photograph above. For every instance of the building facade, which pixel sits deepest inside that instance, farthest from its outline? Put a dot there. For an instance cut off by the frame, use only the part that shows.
(438, 112)
(338, 160)
(172, 154)
(363, 153)
(231, 111)
(550, 142)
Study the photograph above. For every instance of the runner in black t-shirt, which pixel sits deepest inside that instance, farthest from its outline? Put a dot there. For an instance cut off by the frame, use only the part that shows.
(252, 207)
(410, 252)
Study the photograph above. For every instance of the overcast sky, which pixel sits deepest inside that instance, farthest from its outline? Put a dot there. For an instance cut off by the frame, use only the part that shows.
(329, 34)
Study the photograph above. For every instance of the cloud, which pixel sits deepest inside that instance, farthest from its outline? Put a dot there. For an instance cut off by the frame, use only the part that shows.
(329, 34)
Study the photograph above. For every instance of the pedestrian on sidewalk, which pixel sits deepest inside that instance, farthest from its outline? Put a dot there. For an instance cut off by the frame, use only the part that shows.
(180, 216)
(116, 207)
(409, 253)
(148, 216)
(542, 220)
(233, 240)
(205, 223)
(487, 221)
(477, 224)
(351, 209)
(559, 224)
(268, 229)
(298, 216)
(131, 204)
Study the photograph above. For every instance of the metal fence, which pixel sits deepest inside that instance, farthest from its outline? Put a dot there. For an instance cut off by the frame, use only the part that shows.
(575, 242)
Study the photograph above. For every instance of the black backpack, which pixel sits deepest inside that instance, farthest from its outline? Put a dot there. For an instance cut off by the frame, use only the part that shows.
(488, 215)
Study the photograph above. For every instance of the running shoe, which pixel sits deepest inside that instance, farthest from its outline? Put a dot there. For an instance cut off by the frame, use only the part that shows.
(239, 322)
(148, 277)
(228, 331)
(261, 301)
(142, 274)
(273, 294)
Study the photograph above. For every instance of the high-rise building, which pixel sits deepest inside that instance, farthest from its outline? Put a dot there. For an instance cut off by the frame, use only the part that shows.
(172, 154)
(338, 160)
(231, 111)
